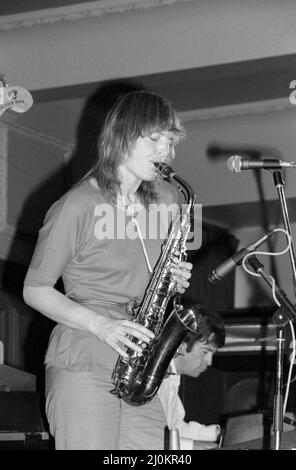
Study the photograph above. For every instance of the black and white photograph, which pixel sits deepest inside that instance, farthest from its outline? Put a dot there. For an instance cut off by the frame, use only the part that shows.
(147, 227)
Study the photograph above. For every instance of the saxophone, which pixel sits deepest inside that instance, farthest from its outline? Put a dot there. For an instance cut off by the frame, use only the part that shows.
(138, 378)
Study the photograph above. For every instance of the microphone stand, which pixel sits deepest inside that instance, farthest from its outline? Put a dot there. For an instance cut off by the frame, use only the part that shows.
(279, 185)
(282, 315)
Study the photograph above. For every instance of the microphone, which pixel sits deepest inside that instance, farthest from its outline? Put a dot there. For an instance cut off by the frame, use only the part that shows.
(231, 263)
(236, 164)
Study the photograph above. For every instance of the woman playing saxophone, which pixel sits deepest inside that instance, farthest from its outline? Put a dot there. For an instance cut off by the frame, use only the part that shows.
(97, 239)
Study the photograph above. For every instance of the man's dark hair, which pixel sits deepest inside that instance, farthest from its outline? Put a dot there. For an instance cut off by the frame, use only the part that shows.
(210, 330)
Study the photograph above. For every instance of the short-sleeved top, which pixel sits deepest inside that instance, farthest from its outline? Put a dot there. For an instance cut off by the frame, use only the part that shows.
(99, 251)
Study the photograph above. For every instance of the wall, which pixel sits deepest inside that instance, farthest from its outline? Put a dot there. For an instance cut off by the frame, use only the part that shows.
(262, 128)
(117, 39)
(32, 168)
(267, 126)
(34, 160)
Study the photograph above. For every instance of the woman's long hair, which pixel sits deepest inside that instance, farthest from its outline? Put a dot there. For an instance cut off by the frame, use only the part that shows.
(135, 114)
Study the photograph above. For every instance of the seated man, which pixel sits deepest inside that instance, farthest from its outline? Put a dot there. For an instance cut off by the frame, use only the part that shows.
(194, 356)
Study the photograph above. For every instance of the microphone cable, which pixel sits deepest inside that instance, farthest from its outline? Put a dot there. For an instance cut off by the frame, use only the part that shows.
(252, 273)
(266, 253)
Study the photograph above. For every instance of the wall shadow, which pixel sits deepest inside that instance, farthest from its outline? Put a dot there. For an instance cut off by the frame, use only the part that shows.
(25, 338)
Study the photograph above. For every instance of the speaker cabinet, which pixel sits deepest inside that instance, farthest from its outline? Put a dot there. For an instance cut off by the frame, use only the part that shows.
(22, 425)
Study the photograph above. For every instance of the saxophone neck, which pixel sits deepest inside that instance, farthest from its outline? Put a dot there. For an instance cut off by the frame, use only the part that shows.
(168, 173)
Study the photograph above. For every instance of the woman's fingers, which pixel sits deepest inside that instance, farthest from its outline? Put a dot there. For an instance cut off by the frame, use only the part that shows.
(119, 350)
(181, 277)
(181, 273)
(181, 289)
(137, 330)
(119, 336)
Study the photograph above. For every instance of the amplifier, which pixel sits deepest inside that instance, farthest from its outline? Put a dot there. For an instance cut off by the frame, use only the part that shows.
(22, 425)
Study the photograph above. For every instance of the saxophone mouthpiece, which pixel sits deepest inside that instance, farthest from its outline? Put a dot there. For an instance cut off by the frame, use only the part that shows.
(164, 170)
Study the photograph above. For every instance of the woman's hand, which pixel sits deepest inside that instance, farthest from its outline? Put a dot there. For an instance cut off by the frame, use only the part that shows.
(181, 273)
(59, 308)
(118, 334)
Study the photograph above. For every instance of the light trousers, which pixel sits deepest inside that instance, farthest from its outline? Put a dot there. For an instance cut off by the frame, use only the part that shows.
(83, 414)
